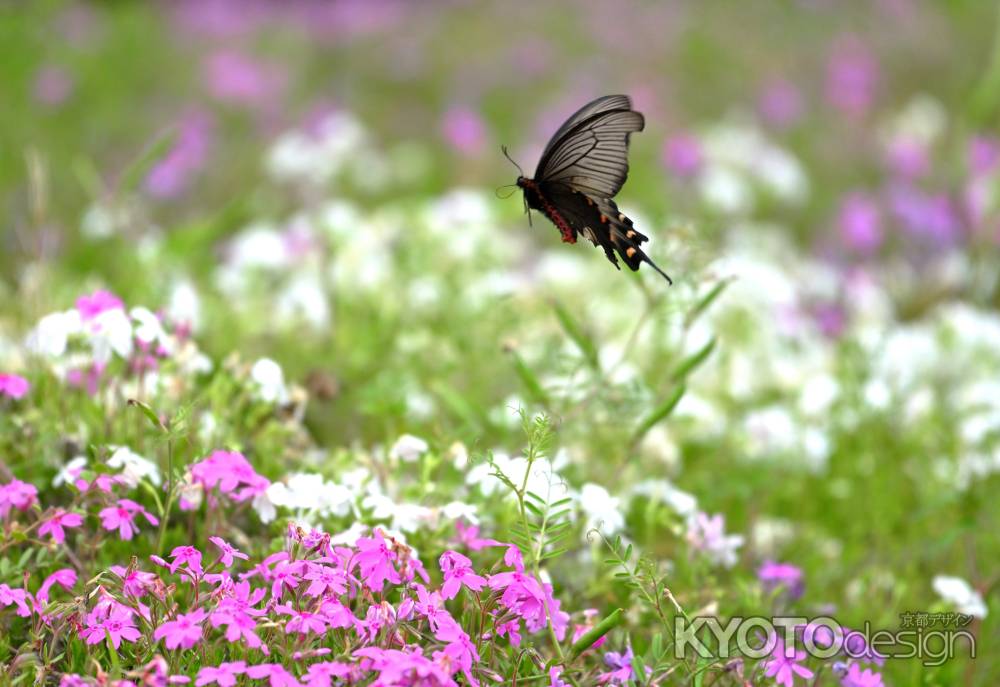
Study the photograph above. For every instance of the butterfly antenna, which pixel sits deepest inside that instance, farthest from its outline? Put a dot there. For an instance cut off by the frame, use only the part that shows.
(503, 149)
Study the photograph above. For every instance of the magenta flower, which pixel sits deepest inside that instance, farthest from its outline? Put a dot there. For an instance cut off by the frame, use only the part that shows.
(186, 555)
(323, 674)
(184, 631)
(851, 77)
(337, 614)
(302, 622)
(174, 173)
(555, 679)
(57, 521)
(781, 575)
(65, 578)
(459, 652)
(375, 559)
(324, 579)
(682, 155)
(783, 665)
(464, 130)
(224, 675)
(400, 667)
(237, 612)
(276, 674)
(780, 103)
(135, 582)
(859, 222)
(96, 303)
(429, 605)
(286, 574)
(17, 494)
(231, 473)
(13, 385)
(122, 518)
(855, 677)
(622, 671)
(237, 78)
(117, 623)
(15, 597)
(457, 571)
(229, 552)
(984, 155)
(53, 85)
(526, 597)
(469, 536)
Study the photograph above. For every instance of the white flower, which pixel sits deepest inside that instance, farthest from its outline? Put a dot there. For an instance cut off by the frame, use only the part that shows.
(408, 448)
(134, 467)
(459, 509)
(602, 510)
(681, 502)
(109, 332)
(270, 381)
(51, 335)
(350, 536)
(184, 305)
(960, 593)
(264, 506)
(304, 298)
(149, 329)
(70, 471)
(725, 190)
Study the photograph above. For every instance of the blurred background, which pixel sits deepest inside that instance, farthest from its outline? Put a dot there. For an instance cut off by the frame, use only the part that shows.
(314, 181)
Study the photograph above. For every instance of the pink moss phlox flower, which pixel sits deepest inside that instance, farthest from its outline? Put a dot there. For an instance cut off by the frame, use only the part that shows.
(375, 560)
(530, 599)
(156, 673)
(223, 675)
(783, 665)
(275, 673)
(512, 558)
(115, 621)
(856, 677)
(430, 605)
(237, 612)
(512, 630)
(183, 631)
(379, 616)
(302, 622)
(122, 518)
(96, 303)
(324, 580)
(468, 535)
(323, 674)
(397, 667)
(231, 473)
(555, 680)
(682, 155)
(17, 494)
(229, 552)
(459, 653)
(458, 571)
(781, 575)
(186, 555)
(13, 386)
(57, 521)
(337, 614)
(65, 578)
(264, 567)
(621, 672)
(285, 575)
(15, 597)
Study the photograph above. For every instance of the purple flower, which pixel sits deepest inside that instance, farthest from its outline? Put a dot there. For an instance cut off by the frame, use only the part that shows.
(237, 612)
(13, 385)
(932, 218)
(183, 631)
(276, 674)
(375, 560)
(682, 155)
(622, 671)
(324, 579)
(65, 578)
(122, 517)
(15, 597)
(780, 103)
(464, 130)
(135, 582)
(469, 536)
(302, 622)
(53, 85)
(17, 494)
(781, 575)
(855, 677)
(323, 674)
(404, 667)
(224, 675)
(57, 521)
(907, 158)
(186, 555)
(117, 622)
(235, 77)
(458, 571)
(851, 77)
(984, 155)
(229, 552)
(231, 473)
(174, 173)
(859, 221)
(783, 665)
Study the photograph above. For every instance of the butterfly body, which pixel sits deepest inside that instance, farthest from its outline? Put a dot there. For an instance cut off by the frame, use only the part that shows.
(581, 169)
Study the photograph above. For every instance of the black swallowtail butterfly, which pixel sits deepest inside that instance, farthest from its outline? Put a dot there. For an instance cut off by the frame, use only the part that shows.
(580, 171)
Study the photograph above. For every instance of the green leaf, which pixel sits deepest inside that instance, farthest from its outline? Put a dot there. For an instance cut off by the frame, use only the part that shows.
(535, 391)
(689, 364)
(659, 413)
(595, 633)
(149, 156)
(148, 412)
(707, 300)
(576, 333)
